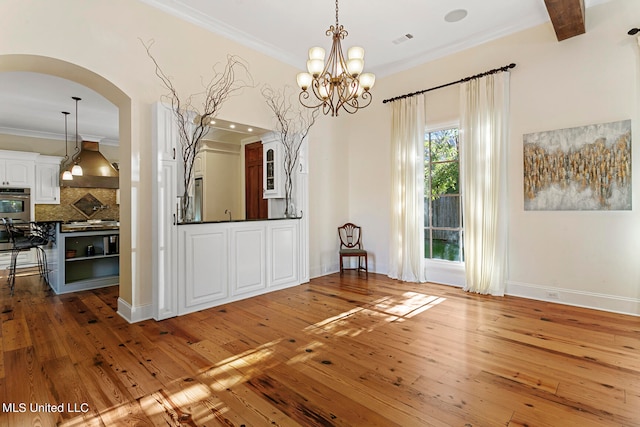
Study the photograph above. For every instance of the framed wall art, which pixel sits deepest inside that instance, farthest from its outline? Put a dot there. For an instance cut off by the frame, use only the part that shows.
(581, 168)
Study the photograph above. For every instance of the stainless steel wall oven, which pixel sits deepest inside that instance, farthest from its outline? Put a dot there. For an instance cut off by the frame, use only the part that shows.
(15, 203)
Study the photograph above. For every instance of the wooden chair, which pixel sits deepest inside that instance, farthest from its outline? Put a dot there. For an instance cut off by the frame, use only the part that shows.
(351, 246)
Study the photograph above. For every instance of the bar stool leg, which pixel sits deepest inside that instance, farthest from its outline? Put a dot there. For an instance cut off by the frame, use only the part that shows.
(42, 264)
(12, 269)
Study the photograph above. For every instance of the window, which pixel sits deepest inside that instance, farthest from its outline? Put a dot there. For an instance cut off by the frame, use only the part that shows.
(442, 204)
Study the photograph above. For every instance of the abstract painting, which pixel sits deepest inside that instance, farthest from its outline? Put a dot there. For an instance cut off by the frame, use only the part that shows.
(581, 168)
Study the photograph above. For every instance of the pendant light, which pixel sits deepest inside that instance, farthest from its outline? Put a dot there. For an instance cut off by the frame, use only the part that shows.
(66, 175)
(76, 170)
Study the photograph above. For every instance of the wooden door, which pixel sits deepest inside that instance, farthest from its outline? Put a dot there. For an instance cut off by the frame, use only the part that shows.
(256, 205)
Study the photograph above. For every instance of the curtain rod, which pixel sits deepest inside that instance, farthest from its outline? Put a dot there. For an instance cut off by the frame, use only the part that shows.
(466, 79)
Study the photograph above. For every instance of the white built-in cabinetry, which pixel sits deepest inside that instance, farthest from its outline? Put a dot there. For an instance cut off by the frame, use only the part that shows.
(165, 213)
(17, 169)
(201, 265)
(40, 173)
(228, 261)
(47, 180)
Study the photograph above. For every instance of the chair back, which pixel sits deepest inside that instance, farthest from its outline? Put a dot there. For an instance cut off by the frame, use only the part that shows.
(11, 230)
(350, 236)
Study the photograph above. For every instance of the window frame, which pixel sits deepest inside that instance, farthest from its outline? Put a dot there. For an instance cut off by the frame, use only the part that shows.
(429, 229)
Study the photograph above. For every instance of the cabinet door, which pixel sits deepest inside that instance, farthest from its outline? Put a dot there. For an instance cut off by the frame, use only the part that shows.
(165, 132)
(164, 218)
(18, 173)
(272, 170)
(47, 187)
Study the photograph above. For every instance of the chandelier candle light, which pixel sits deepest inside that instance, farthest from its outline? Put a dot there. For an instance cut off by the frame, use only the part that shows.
(338, 83)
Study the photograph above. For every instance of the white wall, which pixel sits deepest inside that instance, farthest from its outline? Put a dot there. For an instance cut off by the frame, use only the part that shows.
(586, 258)
(103, 37)
(592, 78)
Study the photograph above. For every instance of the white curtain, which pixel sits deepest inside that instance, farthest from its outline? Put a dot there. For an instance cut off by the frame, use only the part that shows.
(406, 259)
(484, 128)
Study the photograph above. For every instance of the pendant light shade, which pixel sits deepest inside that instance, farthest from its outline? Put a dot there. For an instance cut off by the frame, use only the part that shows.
(76, 170)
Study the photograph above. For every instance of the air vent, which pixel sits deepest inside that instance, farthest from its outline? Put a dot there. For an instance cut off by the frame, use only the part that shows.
(403, 38)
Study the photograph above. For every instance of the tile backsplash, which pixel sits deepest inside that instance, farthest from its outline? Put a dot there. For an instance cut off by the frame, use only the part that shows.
(72, 208)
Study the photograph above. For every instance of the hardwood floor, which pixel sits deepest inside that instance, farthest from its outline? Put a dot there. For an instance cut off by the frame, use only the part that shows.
(334, 352)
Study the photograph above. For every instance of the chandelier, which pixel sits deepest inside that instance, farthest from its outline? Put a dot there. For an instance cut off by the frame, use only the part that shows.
(339, 83)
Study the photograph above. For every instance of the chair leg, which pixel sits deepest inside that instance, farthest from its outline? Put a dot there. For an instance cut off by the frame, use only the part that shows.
(341, 269)
(42, 264)
(12, 270)
(39, 256)
(366, 267)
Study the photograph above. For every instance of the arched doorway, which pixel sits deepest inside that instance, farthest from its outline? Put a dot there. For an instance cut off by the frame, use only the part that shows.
(102, 86)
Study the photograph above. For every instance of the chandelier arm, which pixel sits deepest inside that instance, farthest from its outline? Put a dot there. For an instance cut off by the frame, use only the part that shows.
(304, 96)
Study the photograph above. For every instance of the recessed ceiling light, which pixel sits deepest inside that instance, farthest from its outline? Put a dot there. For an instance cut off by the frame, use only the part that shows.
(455, 15)
(232, 126)
(250, 129)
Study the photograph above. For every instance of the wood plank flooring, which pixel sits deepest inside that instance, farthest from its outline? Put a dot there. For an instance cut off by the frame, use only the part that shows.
(334, 352)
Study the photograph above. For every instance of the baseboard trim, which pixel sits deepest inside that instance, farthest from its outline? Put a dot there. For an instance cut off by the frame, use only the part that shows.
(134, 314)
(596, 301)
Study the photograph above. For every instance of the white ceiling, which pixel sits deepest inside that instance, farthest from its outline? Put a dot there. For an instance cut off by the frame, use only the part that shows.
(31, 104)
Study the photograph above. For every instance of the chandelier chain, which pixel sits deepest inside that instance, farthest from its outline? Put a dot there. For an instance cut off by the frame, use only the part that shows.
(336, 13)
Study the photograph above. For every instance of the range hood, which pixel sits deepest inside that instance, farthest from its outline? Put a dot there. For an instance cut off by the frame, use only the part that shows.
(97, 171)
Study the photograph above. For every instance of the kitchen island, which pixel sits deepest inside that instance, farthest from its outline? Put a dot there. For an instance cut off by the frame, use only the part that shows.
(85, 255)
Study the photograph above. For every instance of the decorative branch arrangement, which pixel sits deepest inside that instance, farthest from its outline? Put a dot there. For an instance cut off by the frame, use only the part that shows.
(193, 122)
(292, 126)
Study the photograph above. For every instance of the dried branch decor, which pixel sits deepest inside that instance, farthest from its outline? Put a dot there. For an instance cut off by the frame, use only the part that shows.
(292, 126)
(193, 122)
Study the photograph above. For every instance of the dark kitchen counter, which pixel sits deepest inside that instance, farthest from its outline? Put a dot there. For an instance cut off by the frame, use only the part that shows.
(75, 226)
(224, 221)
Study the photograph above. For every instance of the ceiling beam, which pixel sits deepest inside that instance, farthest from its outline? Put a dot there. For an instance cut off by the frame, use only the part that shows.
(567, 17)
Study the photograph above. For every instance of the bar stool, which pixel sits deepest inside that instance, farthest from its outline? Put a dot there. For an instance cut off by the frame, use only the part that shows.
(23, 241)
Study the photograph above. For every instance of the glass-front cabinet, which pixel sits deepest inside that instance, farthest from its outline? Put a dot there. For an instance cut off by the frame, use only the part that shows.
(273, 169)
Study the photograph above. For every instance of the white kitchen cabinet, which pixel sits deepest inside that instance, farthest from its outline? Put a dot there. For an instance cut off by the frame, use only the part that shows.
(47, 183)
(17, 169)
(283, 256)
(221, 262)
(165, 132)
(272, 169)
(203, 267)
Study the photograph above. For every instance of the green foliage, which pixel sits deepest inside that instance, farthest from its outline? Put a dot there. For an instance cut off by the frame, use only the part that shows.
(441, 151)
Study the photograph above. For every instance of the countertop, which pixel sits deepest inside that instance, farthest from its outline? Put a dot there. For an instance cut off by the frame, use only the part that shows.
(234, 220)
(75, 226)
(90, 225)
